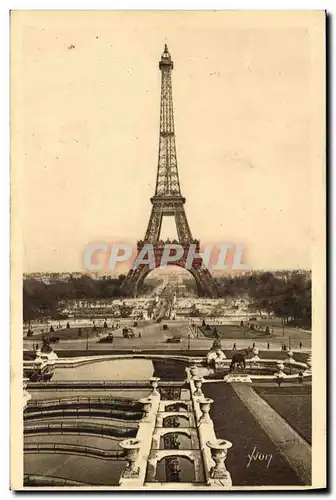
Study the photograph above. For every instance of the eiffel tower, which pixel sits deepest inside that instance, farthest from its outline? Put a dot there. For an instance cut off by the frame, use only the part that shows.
(168, 200)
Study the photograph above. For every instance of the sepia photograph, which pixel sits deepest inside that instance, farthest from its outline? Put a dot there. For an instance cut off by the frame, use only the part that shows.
(168, 294)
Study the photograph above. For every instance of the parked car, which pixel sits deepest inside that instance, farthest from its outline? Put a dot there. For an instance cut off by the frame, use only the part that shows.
(128, 332)
(174, 340)
(106, 340)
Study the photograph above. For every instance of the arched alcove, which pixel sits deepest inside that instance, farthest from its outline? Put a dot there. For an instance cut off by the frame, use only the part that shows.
(177, 407)
(175, 421)
(182, 440)
(186, 472)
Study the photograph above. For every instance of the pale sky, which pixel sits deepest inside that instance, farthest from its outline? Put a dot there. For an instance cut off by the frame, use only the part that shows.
(85, 129)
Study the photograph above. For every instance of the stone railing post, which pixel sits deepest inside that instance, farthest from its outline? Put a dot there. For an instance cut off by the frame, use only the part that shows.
(205, 404)
(147, 405)
(198, 381)
(154, 381)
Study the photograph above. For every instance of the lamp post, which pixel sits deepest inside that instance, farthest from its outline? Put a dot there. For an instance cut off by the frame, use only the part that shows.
(87, 339)
(189, 336)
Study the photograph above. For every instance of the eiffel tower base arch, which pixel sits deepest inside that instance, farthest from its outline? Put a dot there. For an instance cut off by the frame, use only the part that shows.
(205, 283)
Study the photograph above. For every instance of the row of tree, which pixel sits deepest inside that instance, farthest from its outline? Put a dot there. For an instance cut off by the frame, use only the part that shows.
(42, 299)
(287, 297)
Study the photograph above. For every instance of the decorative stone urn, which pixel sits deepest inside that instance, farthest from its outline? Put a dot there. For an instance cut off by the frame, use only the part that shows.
(147, 405)
(255, 358)
(219, 449)
(290, 358)
(154, 381)
(198, 381)
(131, 449)
(205, 404)
(280, 372)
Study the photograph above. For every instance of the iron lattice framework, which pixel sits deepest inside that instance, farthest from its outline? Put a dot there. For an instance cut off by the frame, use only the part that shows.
(168, 200)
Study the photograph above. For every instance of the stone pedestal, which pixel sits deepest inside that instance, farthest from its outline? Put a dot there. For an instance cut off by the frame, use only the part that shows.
(198, 381)
(219, 450)
(131, 450)
(205, 404)
(154, 381)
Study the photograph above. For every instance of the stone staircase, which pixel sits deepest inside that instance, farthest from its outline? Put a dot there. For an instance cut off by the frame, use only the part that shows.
(176, 446)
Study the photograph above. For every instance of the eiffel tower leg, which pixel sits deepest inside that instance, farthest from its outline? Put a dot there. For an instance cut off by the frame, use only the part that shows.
(206, 285)
(182, 226)
(134, 280)
(154, 225)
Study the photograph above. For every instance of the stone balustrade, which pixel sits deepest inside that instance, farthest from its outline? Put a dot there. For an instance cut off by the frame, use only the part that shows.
(206, 435)
(138, 452)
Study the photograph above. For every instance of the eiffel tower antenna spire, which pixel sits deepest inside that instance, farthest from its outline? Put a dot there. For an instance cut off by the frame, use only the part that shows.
(168, 199)
(167, 181)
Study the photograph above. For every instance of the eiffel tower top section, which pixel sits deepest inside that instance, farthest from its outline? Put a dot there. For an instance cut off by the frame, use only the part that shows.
(167, 180)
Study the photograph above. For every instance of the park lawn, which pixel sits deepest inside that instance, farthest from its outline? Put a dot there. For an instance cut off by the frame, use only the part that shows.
(298, 356)
(280, 355)
(234, 332)
(293, 403)
(234, 422)
(65, 333)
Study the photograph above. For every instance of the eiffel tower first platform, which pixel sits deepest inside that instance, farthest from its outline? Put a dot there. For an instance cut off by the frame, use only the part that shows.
(168, 200)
